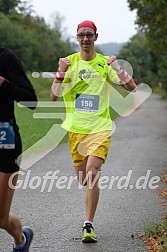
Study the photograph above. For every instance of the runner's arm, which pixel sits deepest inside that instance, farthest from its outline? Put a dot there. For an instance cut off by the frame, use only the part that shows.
(56, 88)
(126, 80)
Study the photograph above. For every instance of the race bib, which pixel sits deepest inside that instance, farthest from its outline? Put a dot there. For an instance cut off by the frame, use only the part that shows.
(7, 136)
(87, 103)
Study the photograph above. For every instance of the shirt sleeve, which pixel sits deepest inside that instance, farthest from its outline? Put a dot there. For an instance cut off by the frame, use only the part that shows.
(17, 85)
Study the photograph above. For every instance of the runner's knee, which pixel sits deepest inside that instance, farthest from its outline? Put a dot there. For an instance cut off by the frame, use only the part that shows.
(3, 222)
(82, 178)
(92, 172)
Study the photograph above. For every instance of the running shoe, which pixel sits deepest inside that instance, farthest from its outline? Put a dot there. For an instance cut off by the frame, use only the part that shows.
(29, 236)
(88, 233)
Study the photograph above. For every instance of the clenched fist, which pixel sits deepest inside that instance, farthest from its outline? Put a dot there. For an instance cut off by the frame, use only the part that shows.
(112, 61)
(64, 63)
(1, 80)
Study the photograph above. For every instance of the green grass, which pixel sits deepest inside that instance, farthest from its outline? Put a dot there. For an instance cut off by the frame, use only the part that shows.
(160, 92)
(32, 129)
(153, 231)
(156, 236)
(41, 86)
(158, 233)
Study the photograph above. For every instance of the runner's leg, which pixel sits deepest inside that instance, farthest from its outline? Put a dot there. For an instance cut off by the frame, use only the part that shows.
(92, 191)
(81, 173)
(8, 221)
(88, 174)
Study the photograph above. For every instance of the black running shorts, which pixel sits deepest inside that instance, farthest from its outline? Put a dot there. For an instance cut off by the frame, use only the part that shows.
(8, 157)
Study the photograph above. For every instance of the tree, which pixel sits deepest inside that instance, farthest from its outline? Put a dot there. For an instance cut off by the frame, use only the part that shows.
(137, 52)
(152, 21)
(37, 44)
(20, 6)
(6, 6)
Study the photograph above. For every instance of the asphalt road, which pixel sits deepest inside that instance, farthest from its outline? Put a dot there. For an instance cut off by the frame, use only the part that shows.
(127, 204)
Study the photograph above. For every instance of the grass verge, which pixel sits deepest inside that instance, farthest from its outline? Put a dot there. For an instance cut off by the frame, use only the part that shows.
(160, 92)
(156, 237)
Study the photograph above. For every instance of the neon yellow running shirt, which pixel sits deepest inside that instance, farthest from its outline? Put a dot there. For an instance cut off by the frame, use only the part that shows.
(86, 93)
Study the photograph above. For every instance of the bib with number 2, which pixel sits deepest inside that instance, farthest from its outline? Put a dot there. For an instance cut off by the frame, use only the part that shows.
(7, 136)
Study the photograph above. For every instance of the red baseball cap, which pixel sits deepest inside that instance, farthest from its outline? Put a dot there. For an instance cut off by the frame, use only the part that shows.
(87, 23)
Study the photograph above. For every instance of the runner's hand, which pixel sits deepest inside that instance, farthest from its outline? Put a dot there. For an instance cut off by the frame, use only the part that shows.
(1, 80)
(112, 61)
(64, 63)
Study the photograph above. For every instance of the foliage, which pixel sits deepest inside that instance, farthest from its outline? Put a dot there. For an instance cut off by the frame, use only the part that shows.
(137, 52)
(152, 21)
(39, 45)
(6, 6)
(36, 43)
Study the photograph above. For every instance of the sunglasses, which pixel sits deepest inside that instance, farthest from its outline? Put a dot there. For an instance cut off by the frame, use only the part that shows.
(88, 35)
